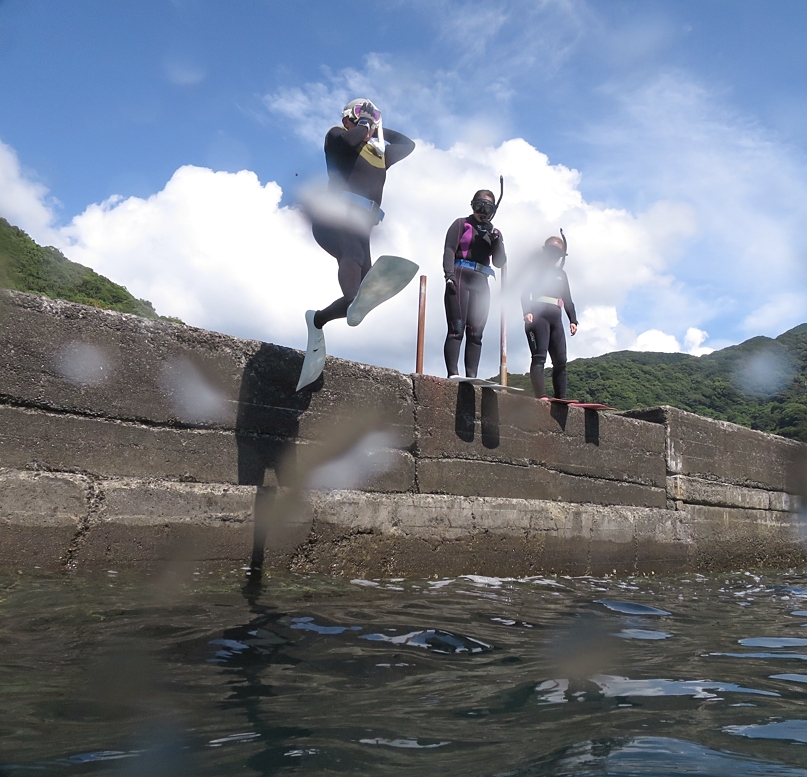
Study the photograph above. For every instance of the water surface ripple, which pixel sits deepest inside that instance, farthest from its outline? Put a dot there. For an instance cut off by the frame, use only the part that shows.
(192, 673)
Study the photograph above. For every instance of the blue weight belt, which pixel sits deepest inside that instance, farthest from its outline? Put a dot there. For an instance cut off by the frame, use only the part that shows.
(483, 268)
(365, 203)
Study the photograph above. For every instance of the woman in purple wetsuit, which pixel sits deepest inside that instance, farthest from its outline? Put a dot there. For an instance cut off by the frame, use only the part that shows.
(472, 244)
(544, 297)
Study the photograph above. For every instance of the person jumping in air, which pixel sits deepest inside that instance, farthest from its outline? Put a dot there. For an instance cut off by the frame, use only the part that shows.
(546, 293)
(357, 154)
(471, 243)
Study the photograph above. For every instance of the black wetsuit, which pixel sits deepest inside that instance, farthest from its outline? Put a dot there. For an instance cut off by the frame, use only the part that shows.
(469, 240)
(545, 333)
(354, 167)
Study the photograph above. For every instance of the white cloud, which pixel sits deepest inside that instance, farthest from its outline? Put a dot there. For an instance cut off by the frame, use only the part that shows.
(693, 342)
(597, 331)
(23, 201)
(656, 340)
(213, 248)
(661, 342)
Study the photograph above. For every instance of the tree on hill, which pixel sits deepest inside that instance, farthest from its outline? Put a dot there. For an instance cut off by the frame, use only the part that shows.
(27, 266)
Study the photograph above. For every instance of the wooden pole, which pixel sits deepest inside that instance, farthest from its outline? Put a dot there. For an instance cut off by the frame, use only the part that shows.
(503, 343)
(421, 325)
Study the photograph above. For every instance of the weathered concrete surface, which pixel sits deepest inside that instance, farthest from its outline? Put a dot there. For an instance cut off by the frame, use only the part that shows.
(412, 534)
(39, 516)
(729, 538)
(32, 439)
(72, 358)
(718, 450)
(466, 477)
(708, 492)
(457, 422)
(124, 522)
(125, 441)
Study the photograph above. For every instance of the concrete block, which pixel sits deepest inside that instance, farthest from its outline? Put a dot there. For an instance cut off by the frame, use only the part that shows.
(151, 503)
(73, 358)
(458, 421)
(42, 499)
(113, 545)
(466, 477)
(375, 534)
(717, 450)
(31, 439)
(40, 515)
(708, 492)
(148, 522)
(788, 503)
(734, 538)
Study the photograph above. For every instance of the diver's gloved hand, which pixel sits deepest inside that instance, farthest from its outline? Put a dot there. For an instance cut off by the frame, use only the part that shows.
(369, 112)
(494, 234)
(451, 285)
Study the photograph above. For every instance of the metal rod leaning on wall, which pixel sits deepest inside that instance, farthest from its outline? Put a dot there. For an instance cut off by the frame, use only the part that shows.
(421, 325)
(503, 322)
(503, 331)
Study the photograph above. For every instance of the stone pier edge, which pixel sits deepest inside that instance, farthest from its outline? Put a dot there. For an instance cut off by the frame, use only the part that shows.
(127, 471)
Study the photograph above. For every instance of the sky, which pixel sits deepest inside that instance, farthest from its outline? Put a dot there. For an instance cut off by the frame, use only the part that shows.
(167, 143)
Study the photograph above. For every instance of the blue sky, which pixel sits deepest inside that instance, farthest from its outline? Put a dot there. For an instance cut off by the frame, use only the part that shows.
(672, 133)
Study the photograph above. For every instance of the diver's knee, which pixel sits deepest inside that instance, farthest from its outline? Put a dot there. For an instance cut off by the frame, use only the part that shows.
(474, 336)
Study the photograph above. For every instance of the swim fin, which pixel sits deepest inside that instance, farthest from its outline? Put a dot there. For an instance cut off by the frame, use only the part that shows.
(314, 361)
(388, 276)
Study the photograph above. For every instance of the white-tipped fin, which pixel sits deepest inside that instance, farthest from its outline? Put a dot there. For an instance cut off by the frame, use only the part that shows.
(314, 361)
(388, 276)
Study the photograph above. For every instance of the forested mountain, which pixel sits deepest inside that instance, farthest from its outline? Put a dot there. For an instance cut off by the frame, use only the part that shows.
(761, 383)
(27, 266)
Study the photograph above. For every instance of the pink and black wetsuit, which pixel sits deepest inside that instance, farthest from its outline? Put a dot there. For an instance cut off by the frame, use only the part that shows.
(470, 248)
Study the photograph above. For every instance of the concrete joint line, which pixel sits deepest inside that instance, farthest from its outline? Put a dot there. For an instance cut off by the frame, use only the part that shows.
(94, 496)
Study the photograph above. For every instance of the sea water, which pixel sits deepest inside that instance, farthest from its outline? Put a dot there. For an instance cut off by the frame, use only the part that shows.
(194, 673)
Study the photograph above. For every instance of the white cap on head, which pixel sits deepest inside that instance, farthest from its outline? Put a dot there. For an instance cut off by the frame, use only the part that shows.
(361, 108)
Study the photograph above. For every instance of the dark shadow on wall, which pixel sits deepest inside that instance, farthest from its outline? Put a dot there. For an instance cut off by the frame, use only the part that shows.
(465, 413)
(592, 422)
(560, 413)
(267, 424)
(490, 418)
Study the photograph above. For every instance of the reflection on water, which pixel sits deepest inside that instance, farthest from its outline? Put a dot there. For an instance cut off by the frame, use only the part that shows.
(114, 675)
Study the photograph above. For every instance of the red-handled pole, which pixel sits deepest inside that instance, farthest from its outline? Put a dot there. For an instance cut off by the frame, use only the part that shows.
(421, 325)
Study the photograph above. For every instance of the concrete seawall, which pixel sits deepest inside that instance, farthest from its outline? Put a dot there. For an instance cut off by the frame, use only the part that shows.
(126, 441)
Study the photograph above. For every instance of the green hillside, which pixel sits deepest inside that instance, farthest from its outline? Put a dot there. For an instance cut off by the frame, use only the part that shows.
(27, 266)
(761, 383)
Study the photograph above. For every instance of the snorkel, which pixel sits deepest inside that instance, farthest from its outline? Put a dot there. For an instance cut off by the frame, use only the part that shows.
(565, 249)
